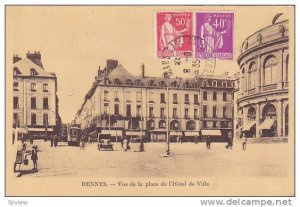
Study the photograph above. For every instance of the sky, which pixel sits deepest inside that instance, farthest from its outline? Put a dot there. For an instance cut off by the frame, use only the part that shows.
(75, 41)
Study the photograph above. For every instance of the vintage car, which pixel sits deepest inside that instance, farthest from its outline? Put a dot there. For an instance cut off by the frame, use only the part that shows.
(104, 142)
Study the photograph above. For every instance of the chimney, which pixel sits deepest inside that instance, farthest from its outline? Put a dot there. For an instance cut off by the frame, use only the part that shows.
(142, 70)
(16, 58)
(35, 57)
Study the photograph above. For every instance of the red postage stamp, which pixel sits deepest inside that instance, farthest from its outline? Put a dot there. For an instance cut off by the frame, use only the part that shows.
(174, 34)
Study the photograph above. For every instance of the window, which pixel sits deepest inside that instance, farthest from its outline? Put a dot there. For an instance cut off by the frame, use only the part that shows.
(162, 112)
(106, 108)
(33, 103)
(214, 124)
(196, 101)
(186, 98)
(215, 83)
(174, 84)
(105, 95)
(175, 113)
(195, 113)
(33, 119)
(204, 111)
(224, 112)
(224, 84)
(224, 96)
(151, 83)
(151, 111)
(45, 103)
(33, 72)
(16, 86)
(214, 112)
(15, 120)
(45, 119)
(270, 70)
(204, 124)
(45, 87)
(138, 96)
(33, 87)
(116, 96)
(162, 124)
(128, 96)
(162, 98)
(128, 110)
(128, 82)
(186, 113)
(251, 75)
(16, 71)
(214, 96)
(16, 102)
(175, 100)
(138, 110)
(117, 112)
(204, 95)
(150, 96)
(138, 82)
(162, 84)
(117, 81)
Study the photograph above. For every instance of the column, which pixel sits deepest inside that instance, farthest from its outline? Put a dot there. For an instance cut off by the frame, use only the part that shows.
(262, 77)
(258, 75)
(257, 118)
(279, 118)
(280, 69)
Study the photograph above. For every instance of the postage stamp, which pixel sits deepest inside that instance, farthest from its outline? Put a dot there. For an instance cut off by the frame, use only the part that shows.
(174, 34)
(215, 32)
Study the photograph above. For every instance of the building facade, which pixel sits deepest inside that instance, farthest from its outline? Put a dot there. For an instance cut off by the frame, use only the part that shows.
(262, 101)
(126, 105)
(35, 101)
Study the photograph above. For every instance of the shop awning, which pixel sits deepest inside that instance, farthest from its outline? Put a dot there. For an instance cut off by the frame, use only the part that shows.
(112, 132)
(191, 133)
(135, 133)
(267, 124)
(213, 132)
(249, 125)
(39, 129)
(172, 133)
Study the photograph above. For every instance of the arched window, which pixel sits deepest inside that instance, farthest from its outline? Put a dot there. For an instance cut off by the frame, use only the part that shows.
(195, 85)
(191, 125)
(16, 71)
(128, 82)
(151, 124)
(233, 84)
(215, 83)
(187, 84)
(117, 81)
(251, 114)
(138, 82)
(204, 83)
(287, 68)
(251, 75)
(174, 125)
(162, 124)
(270, 70)
(269, 111)
(174, 84)
(224, 84)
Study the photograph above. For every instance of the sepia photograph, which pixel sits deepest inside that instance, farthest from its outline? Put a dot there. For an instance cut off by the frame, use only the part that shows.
(149, 100)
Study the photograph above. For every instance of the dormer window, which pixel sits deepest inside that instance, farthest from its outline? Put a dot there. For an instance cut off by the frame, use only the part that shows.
(162, 83)
(224, 84)
(151, 83)
(33, 72)
(138, 82)
(33, 87)
(187, 84)
(215, 83)
(16, 71)
(117, 81)
(174, 84)
(128, 82)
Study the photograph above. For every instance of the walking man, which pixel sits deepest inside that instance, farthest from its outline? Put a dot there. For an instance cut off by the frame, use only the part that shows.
(207, 139)
(31, 139)
(244, 141)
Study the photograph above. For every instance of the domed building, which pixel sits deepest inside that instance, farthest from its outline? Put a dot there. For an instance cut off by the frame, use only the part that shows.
(262, 102)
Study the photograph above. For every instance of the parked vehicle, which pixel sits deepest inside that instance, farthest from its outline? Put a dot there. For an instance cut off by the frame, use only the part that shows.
(104, 142)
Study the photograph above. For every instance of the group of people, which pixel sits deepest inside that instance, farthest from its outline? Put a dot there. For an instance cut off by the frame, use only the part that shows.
(54, 140)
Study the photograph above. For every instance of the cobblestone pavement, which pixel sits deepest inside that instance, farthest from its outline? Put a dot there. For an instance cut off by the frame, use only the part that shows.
(188, 159)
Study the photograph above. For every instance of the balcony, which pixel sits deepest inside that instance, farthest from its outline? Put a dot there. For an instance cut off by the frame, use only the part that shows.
(196, 117)
(117, 99)
(175, 116)
(187, 116)
(151, 115)
(186, 102)
(251, 91)
(196, 102)
(269, 87)
(162, 116)
(175, 102)
(163, 101)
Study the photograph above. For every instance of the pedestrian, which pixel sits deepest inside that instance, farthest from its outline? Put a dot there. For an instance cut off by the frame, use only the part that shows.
(13, 138)
(51, 140)
(23, 139)
(122, 140)
(126, 145)
(196, 140)
(82, 143)
(244, 141)
(142, 149)
(229, 141)
(31, 139)
(55, 140)
(207, 140)
(34, 157)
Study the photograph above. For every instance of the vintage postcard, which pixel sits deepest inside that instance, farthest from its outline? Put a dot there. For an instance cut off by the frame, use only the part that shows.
(150, 100)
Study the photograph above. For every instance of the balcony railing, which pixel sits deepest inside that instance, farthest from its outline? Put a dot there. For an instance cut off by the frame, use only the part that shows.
(286, 84)
(251, 91)
(175, 102)
(269, 87)
(175, 116)
(186, 102)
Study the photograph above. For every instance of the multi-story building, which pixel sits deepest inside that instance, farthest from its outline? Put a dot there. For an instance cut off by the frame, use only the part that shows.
(126, 105)
(35, 101)
(262, 102)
